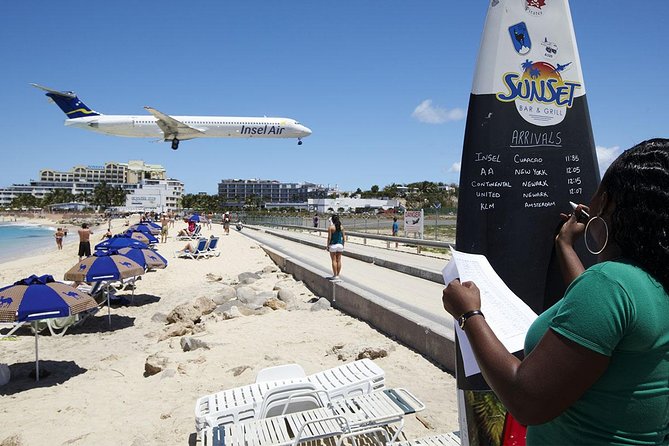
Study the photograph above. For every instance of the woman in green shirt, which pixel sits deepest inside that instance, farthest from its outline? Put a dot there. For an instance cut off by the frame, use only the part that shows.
(596, 369)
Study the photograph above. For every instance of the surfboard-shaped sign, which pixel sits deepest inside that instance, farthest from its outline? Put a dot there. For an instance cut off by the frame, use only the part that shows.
(528, 151)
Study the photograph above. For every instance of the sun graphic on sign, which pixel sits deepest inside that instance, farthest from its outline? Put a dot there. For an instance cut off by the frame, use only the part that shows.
(540, 71)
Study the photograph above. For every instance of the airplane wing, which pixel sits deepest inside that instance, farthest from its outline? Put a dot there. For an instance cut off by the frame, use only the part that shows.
(173, 128)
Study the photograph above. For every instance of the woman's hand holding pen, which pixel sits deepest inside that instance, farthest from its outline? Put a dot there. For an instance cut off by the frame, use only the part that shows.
(460, 298)
(574, 225)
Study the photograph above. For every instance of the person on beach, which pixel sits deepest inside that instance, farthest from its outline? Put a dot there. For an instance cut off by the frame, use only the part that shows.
(315, 221)
(164, 223)
(395, 229)
(596, 363)
(335, 245)
(84, 241)
(226, 223)
(107, 235)
(59, 238)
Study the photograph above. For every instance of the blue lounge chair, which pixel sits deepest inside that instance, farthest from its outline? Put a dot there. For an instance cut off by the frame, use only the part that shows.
(200, 250)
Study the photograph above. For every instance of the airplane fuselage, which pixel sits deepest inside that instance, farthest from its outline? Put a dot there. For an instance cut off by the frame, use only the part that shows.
(210, 126)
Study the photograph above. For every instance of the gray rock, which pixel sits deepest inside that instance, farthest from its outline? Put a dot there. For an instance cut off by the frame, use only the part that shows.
(270, 269)
(245, 293)
(284, 284)
(159, 317)
(225, 294)
(189, 343)
(372, 353)
(248, 277)
(321, 304)
(232, 313)
(254, 301)
(287, 296)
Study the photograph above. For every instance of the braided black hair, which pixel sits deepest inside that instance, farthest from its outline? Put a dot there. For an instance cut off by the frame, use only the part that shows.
(638, 183)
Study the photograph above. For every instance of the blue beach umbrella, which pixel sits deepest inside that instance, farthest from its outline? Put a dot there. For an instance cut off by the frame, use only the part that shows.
(145, 228)
(104, 266)
(146, 257)
(143, 237)
(35, 298)
(194, 217)
(118, 242)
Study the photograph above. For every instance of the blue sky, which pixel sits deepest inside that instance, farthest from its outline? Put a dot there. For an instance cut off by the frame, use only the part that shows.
(384, 85)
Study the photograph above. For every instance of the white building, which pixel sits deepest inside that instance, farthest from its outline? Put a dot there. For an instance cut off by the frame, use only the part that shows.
(351, 204)
(132, 176)
(154, 195)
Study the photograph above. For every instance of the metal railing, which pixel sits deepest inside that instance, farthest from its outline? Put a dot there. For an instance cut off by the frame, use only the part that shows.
(389, 239)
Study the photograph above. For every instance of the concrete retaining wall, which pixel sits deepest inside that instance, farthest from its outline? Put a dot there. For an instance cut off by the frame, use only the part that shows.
(424, 336)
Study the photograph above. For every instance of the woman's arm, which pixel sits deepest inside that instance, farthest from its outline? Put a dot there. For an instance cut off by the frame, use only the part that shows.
(548, 381)
(330, 230)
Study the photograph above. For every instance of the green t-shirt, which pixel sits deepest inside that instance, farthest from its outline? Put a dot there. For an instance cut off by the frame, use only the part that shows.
(618, 310)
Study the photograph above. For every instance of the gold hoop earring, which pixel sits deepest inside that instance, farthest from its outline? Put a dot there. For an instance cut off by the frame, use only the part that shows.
(585, 237)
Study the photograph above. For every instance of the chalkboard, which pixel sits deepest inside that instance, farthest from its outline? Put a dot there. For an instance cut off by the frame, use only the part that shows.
(528, 151)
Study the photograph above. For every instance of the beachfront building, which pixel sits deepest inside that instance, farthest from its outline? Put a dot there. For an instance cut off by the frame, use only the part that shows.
(132, 176)
(237, 193)
(154, 195)
(351, 204)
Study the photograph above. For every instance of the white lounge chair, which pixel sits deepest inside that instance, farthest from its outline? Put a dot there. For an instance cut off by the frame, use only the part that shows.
(347, 416)
(447, 439)
(242, 403)
(280, 372)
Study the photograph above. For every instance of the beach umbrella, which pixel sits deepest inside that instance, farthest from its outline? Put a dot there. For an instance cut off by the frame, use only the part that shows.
(141, 236)
(194, 217)
(119, 241)
(35, 298)
(145, 228)
(145, 257)
(153, 225)
(104, 266)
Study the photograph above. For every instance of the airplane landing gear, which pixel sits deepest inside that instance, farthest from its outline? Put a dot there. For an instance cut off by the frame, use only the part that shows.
(175, 144)
(299, 142)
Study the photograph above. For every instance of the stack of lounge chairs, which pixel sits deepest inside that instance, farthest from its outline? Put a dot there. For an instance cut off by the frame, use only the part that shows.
(286, 407)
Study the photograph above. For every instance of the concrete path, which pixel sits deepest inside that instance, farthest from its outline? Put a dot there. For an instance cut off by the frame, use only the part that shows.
(395, 298)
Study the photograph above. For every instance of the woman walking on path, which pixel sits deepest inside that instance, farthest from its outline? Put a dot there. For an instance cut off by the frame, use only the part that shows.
(335, 245)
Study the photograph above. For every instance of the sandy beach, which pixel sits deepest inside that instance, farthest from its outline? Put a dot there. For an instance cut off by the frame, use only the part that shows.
(98, 393)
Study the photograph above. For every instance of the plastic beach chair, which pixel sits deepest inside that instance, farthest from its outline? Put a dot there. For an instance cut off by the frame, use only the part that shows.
(347, 416)
(200, 250)
(241, 403)
(281, 372)
(212, 247)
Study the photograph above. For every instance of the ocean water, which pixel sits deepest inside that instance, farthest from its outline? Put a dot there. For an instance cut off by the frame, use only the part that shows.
(20, 240)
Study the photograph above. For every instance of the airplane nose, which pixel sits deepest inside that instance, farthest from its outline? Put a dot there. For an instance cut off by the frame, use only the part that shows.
(306, 130)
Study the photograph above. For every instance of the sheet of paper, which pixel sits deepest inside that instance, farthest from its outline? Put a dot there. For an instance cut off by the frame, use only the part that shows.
(507, 315)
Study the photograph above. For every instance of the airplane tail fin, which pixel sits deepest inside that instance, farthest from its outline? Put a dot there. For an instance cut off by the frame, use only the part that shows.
(68, 102)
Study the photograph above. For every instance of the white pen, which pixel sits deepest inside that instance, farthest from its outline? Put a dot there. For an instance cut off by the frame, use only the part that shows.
(583, 213)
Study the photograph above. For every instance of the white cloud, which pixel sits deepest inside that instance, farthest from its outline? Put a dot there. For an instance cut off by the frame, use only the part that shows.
(455, 168)
(432, 114)
(606, 155)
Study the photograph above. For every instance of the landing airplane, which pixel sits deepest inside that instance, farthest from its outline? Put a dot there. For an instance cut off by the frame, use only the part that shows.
(173, 128)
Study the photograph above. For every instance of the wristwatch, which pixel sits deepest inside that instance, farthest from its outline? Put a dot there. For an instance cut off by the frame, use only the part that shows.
(462, 320)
